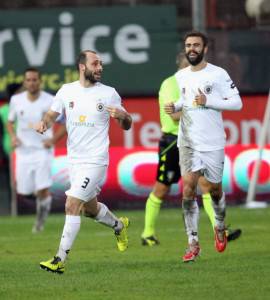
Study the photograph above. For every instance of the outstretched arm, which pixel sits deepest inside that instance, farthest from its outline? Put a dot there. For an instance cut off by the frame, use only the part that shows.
(124, 119)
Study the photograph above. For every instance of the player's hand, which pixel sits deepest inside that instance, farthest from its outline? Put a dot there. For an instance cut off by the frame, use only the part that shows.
(48, 143)
(40, 127)
(200, 98)
(15, 142)
(169, 108)
(116, 113)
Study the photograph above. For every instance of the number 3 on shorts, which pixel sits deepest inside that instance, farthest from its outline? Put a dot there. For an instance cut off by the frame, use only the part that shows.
(85, 183)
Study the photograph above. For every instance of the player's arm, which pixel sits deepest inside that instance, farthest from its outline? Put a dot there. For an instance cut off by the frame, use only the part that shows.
(176, 116)
(229, 95)
(47, 121)
(233, 102)
(58, 135)
(123, 117)
(10, 125)
(173, 107)
(15, 142)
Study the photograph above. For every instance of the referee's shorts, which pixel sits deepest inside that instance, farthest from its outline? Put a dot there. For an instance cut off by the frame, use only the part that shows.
(168, 171)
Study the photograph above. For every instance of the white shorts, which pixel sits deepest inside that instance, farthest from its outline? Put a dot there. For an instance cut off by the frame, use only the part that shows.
(210, 163)
(86, 181)
(33, 176)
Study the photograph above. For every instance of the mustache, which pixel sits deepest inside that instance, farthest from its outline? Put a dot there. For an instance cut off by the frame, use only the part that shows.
(192, 51)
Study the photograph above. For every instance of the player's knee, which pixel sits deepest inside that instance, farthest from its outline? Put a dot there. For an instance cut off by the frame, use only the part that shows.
(89, 214)
(188, 192)
(72, 207)
(216, 195)
(43, 193)
(161, 190)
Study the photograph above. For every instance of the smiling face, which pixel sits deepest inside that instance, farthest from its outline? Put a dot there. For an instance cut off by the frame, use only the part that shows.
(195, 50)
(92, 69)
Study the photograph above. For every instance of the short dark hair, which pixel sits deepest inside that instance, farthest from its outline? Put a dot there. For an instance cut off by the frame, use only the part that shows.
(81, 59)
(32, 69)
(12, 89)
(198, 34)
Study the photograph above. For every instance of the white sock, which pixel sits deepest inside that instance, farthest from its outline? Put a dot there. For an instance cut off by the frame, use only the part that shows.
(106, 217)
(220, 212)
(70, 231)
(191, 218)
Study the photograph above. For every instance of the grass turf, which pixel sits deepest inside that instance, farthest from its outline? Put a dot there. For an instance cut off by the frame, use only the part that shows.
(96, 270)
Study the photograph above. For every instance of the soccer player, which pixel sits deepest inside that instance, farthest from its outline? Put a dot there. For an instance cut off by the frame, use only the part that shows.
(168, 170)
(34, 152)
(206, 90)
(88, 106)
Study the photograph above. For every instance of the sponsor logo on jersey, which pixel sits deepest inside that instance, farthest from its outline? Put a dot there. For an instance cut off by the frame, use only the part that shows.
(100, 107)
(21, 112)
(81, 122)
(82, 118)
(71, 104)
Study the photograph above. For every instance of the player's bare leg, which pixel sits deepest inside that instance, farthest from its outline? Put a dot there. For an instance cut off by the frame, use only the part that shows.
(100, 212)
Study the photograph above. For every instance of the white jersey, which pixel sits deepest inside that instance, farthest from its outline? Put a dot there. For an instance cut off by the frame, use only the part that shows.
(201, 128)
(26, 113)
(87, 120)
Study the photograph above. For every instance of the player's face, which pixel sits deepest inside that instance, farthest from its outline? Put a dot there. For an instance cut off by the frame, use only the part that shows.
(93, 68)
(194, 50)
(32, 82)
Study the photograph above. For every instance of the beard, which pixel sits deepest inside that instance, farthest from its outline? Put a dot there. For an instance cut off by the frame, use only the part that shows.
(89, 75)
(194, 61)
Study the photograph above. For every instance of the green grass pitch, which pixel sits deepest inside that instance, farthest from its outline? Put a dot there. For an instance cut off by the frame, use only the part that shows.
(96, 270)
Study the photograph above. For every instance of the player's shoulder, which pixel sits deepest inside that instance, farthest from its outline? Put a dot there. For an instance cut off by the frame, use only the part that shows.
(18, 97)
(169, 79)
(105, 88)
(70, 85)
(182, 72)
(168, 83)
(217, 69)
(45, 95)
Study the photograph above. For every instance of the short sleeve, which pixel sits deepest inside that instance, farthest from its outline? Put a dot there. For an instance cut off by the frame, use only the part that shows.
(116, 100)
(12, 111)
(58, 103)
(227, 86)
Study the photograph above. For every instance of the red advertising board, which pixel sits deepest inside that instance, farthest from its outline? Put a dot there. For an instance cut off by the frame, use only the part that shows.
(131, 175)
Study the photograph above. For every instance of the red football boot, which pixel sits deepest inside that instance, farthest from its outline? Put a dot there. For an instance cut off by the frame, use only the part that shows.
(192, 252)
(220, 239)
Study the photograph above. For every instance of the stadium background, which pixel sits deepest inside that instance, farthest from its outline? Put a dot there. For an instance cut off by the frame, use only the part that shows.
(138, 41)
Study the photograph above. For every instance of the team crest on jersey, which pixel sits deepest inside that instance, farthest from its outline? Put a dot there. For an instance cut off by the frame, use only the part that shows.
(71, 104)
(21, 112)
(208, 89)
(183, 90)
(100, 107)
